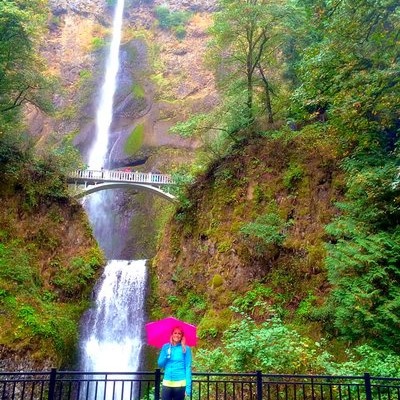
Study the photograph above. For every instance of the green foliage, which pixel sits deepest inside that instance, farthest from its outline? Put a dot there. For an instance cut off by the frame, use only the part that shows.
(188, 128)
(12, 152)
(180, 31)
(17, 264)
(343, 64)
(216, 281)
(366, 358)
(363, 261)
(189, 307)
(135, 140)
(292, 175)
(275, 348)
(350, 70)
(174, 20)
(98, 43)
(138, 91)
(306, 306)
(85, 74)
(21, 68)
(58, 326)
(255, 301)
(169, 19)
(246, 36)
(71, 279)
(268, 228)
(270, 346)
(182, 178)
(214, 323)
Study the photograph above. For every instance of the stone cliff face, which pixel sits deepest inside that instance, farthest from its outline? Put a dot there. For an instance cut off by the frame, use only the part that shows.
(206, 260)
(162, 79)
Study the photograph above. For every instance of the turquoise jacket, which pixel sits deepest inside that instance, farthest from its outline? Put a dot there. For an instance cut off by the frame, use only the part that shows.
(179, 366)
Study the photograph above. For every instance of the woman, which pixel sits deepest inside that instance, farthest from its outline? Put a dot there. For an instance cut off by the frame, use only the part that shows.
(176, 359)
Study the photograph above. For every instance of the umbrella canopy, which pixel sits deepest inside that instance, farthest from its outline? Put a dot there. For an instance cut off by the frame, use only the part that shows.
(159, 332)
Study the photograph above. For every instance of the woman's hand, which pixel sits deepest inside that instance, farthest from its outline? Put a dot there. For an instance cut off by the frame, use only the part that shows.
(183, 343)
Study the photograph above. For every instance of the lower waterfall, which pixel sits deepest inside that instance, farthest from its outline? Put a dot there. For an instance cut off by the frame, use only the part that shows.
(112, 331)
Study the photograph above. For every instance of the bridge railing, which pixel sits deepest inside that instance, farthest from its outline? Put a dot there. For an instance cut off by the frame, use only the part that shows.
(70, 385)
(121, 176)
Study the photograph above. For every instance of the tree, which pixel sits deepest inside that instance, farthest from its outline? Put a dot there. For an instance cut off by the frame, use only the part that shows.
(348, 77)
(364, 256)
(22, 77)
(351, 72)
(246, 38)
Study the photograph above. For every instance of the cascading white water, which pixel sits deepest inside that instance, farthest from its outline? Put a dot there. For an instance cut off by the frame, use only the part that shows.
(98, 152)
(111, 332)
(114, 327)
(99, 205)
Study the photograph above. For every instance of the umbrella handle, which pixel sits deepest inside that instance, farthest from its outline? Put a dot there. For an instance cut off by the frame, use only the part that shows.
(169, 352)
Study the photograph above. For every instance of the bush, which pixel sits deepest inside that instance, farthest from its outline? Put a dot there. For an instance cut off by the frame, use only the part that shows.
(364, 256)
(292, 176)
(174, 20)
(269, 228)
(270, 347)
(73, 278)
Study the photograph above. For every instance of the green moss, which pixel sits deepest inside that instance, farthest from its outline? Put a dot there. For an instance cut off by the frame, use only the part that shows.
(217, 281)
(135, 140)
(214, 323)
(138, 91)
(98, 43)
(293, 175)
(224, 246)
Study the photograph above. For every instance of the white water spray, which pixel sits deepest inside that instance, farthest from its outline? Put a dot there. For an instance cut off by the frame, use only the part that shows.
(98, 153)
(111, 334)
(114, 338)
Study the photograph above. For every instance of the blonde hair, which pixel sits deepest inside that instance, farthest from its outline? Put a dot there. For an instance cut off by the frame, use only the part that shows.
(179, 328)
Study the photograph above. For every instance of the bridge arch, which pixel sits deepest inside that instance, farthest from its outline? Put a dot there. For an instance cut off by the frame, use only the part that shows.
(97, 180)
(123, 185)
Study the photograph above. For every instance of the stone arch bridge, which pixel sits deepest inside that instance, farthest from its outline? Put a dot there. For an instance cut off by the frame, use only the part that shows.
(90, 181)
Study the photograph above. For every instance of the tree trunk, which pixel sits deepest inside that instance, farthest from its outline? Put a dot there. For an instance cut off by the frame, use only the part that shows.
(268, 105)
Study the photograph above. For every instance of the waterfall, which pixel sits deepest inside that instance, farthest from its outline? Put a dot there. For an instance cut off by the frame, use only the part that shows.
(98, 152)
(111, 332)
(113, 327)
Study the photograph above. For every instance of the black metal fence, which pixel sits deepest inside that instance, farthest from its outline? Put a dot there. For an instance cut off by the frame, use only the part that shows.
(69, 385)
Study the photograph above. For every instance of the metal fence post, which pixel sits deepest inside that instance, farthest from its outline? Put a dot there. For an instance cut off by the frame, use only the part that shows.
(259, 385)
(52, 384)
(157, 382)
(367, 380)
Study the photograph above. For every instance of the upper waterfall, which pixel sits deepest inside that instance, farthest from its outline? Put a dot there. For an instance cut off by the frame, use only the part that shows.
(99, 149)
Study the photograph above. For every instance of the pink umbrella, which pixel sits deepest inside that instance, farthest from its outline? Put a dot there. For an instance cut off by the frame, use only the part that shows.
(159, 332)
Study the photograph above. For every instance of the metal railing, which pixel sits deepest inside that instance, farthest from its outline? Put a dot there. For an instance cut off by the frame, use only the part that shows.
(120, 176)
(70, 385)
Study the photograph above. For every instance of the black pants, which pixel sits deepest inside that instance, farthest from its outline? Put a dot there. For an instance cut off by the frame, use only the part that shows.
(173, 393)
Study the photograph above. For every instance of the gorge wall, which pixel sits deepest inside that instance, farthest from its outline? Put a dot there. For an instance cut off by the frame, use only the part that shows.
(162, 80)
(215, 250)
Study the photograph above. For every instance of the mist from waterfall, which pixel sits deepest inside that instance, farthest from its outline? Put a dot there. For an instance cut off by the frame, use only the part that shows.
(111, 331)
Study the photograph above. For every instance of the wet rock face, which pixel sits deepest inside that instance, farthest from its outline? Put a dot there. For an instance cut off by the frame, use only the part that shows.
(13, 360)
(83, 7)
(190, 5)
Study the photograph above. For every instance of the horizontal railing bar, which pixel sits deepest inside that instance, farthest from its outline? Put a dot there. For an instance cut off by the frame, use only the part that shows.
(103, 373)
(287, 383)
(313, 376)
(120, 176)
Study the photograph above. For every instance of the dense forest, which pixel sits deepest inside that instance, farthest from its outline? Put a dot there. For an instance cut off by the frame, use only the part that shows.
(308, 89)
